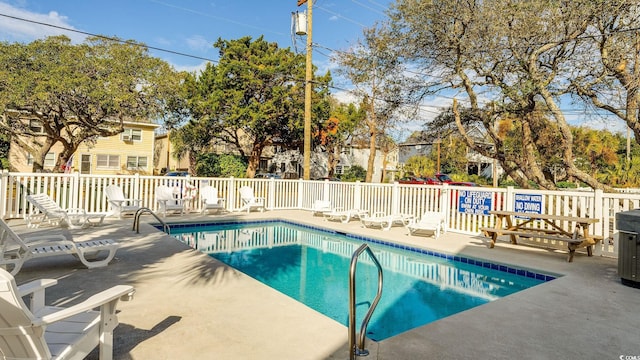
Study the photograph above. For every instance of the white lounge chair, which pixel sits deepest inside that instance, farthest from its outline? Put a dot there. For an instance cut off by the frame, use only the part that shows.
(51, 213)
(320, 207)
(209, 199)
(249, 200)
(344, 215)
(50, 332)
(384, 221)
(432, 222)
(15, 251)
(167, 202)
(119, 205)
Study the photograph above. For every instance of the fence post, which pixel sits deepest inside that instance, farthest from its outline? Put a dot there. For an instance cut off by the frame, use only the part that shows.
(136, 187)
(598, 213)
(231, 193)
(395, 198)
(357, 195)
(4, 193)
(75, 190)
(271, 194)
(509, 198)
(445, 203)
(302, 191)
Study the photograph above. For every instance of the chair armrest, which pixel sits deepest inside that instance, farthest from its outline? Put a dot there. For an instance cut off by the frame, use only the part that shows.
(117, 202)
(36, 291)
(111, 295)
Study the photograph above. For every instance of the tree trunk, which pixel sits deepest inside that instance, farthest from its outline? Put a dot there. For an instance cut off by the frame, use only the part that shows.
(372, 155)
(254, 159)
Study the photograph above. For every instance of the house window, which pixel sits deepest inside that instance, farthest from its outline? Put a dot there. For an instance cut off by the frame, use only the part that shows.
(341, 169)
(131, 135)
(49, 160)
(35, 126)
(105, 161)
(264, 164)
(136, 162)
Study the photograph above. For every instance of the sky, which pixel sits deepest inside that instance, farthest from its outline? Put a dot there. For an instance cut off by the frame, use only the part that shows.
(190, 27)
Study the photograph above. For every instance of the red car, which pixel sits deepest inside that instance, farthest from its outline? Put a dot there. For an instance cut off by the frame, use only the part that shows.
(419, 181)
(463, 183)
(444, 178)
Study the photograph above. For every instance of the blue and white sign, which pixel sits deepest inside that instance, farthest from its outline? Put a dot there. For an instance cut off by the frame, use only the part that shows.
(528, 203)
(475, 202)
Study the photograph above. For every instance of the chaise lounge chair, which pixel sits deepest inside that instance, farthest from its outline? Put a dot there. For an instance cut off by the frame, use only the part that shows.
(167, 202)
(344, 215)
(120, 205)
(249, 200)
(321, 207)
(432, 222)
(50, 332)
(15, 251)
(51, 213)
(384, 221)
(209, 200)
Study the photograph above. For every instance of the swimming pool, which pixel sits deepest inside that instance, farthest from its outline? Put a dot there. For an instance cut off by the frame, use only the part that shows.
(311, 265)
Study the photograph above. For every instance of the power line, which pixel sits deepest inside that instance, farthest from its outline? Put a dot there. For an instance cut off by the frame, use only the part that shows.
(127, 42)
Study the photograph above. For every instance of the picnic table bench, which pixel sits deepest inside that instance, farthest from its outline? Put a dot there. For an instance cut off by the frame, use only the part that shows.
(578, 238)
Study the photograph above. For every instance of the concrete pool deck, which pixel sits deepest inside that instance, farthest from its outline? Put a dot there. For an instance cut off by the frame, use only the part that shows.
(190, 306)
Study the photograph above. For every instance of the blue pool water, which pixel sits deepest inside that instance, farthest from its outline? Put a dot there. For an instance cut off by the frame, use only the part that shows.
(311, 265)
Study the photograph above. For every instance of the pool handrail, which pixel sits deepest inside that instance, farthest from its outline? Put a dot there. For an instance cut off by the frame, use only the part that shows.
(136, 220)
(359, 349)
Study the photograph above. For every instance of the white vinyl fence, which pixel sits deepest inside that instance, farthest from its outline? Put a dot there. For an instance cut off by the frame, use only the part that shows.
(466, 207)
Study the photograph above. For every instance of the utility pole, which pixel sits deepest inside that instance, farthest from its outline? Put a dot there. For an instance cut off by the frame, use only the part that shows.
(307, 95)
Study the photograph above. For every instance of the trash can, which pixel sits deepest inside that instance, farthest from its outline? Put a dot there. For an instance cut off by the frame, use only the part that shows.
(628, 223)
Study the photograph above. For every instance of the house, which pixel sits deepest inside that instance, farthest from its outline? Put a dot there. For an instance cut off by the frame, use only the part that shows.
(477, 164)
(126, 153)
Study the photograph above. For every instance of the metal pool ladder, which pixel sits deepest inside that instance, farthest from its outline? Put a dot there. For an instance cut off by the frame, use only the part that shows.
(358, 349)
(136, 220)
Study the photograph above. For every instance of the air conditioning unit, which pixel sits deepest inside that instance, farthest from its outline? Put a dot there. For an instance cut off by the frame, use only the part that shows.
(126, 137)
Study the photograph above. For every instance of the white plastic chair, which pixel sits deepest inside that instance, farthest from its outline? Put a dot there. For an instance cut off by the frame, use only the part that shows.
(166, 200)
(50, 212)
(249, 200)
(50, 332)
(120, 205)
(209, 199)
(432, 222)
(320, 207)
(15, 251)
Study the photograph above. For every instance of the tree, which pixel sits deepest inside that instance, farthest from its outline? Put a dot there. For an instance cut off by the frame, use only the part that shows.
(375, 73)
(79, 92)
(354, 173)
(334, 133)
(606, 73)
(518, 52)
(253, 96)
(223, 165)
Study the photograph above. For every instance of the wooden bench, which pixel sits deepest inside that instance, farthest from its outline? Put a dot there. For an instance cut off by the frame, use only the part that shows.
(578, 238)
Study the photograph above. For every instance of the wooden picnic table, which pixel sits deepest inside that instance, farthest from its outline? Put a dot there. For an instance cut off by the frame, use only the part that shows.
(559, 228)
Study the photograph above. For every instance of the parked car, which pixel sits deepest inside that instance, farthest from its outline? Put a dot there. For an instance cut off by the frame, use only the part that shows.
(419, 180)
(177, 173)
(463, 183)
(268, 176)
(444, 178)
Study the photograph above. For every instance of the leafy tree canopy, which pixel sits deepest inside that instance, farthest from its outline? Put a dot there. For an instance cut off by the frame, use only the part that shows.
(79, 92)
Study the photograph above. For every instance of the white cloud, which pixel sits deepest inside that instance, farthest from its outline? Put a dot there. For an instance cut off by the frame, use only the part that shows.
(191, 68)
(198, 42)
(24, 26)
